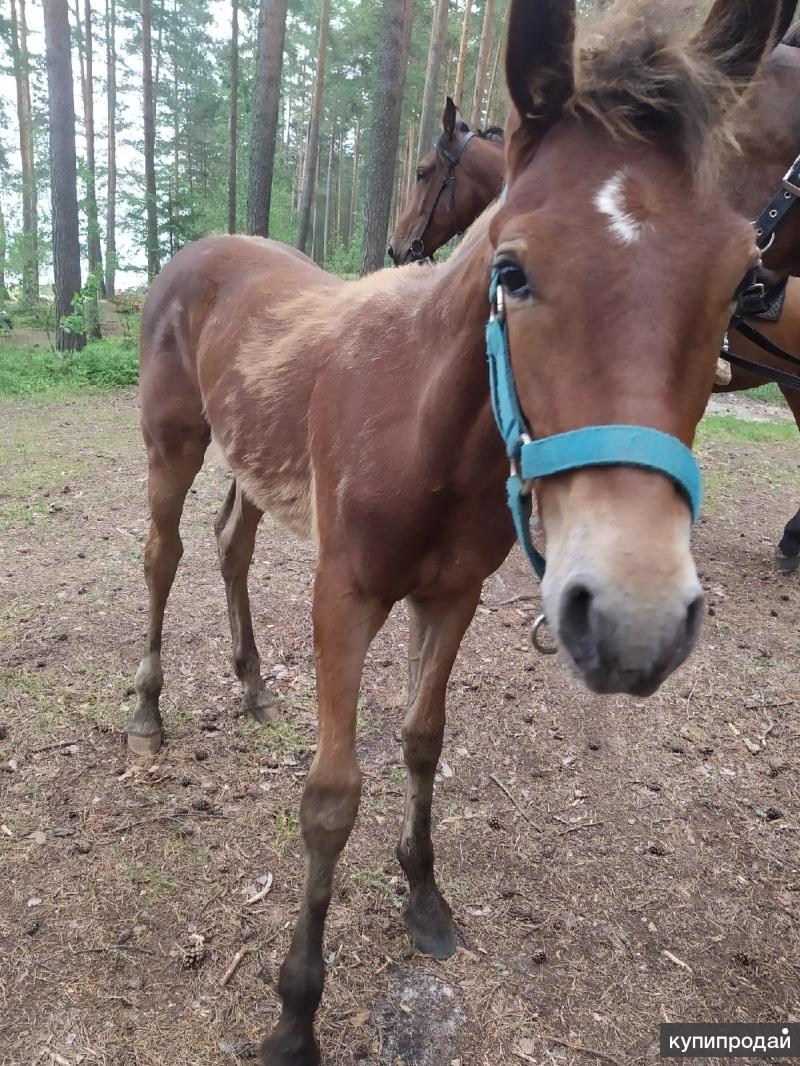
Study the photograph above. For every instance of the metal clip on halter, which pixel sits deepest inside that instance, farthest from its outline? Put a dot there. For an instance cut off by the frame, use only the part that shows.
(544, 649)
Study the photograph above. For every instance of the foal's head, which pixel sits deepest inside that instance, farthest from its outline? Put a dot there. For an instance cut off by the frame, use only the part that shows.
(456, 180)
(619, 261)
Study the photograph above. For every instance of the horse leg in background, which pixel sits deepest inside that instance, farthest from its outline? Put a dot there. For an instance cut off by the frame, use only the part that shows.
(173, 463)
(344, 624)
(236, 528)
(437, 628)
(787, 554)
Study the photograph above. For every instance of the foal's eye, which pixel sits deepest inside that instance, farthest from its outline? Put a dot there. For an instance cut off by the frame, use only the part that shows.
(515, 280)
(420, 175)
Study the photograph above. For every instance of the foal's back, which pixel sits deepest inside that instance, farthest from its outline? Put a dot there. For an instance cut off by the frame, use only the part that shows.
(212, 362)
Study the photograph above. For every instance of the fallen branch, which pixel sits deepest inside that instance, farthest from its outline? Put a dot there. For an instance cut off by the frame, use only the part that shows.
(604, 1055)
(575, 828)
(516, 803)
(523, 597)
(678, 962)
(237, 961)
(53, 747)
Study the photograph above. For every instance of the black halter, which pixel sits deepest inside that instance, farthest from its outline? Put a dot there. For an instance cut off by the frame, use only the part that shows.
(755, 298)
(450, 160)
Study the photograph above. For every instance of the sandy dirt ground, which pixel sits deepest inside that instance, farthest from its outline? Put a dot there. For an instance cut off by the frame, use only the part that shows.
(611, 863)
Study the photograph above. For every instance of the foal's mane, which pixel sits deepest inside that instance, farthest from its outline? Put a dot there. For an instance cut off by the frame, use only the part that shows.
(641, 73)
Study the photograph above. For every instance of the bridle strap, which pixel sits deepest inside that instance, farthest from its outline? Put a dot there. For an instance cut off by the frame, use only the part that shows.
(771, 373)
(614, 445)
(773, 214)
(758, 338)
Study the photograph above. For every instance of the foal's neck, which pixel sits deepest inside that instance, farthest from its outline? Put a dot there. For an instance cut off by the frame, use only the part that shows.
(456, 388)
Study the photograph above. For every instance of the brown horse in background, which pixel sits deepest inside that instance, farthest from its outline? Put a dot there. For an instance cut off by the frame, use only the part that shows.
(358, 414)
(456, 180)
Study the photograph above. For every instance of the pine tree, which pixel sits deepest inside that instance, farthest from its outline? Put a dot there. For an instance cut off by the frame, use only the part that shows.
(234, 116)
(264, 129)
(30, 213)
(151, 207)
(433, 76)
(63, 168)
(111, 181)
(392, 62)
(308, 188)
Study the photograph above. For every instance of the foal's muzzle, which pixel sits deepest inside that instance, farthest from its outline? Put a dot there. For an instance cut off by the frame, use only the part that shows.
(607, 651)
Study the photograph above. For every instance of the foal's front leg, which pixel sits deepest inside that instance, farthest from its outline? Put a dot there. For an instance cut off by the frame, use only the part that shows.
(437, 627)
(344, 624)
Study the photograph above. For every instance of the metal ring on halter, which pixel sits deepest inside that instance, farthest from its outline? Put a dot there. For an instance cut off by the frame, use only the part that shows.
(544, 649)
(417, 246)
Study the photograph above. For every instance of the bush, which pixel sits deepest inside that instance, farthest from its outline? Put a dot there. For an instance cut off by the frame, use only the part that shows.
(110, 363)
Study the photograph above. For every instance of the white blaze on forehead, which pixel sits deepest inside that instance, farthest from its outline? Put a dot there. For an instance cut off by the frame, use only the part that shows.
(610, 200)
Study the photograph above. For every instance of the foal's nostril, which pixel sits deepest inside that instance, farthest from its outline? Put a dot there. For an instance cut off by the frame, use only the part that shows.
(575, 620)
(694, 618)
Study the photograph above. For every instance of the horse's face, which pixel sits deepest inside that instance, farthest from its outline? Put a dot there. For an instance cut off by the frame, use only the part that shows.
(449, 193)
(619, 275)
(770, 140)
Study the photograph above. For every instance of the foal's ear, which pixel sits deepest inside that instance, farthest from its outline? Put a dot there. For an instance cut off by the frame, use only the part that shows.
(785, 18)
(737, 33)
(449, 118)
(539, 58)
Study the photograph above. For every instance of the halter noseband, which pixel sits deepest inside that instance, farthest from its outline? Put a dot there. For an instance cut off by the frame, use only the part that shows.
(451, 160)
(616, 445)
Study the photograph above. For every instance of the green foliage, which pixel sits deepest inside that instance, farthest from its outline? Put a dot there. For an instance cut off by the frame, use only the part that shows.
(106, 364)
(84, 308)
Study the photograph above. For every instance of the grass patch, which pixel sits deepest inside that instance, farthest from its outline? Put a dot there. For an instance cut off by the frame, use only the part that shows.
(730, 428)
(769, 393)
(110, 363)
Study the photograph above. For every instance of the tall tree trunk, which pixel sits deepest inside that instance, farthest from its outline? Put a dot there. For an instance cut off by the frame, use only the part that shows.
(63, 187)
(111, 190)
(266, 100)
(353, 213)
(3, 289)
(483, 63)
(94, 246)
(490, 100)
(339, 183)
(458, 91)
(328, 192)
(30, 210)
(431, 103)
(392, 63)
(312, 145)
(411, 164)
(153, 258)
(234, 116)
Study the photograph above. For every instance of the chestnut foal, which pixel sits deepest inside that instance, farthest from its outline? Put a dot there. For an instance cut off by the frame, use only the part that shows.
(358, 413)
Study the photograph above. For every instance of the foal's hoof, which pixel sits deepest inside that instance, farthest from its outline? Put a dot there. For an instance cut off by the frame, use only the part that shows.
(287, 1047)
(264, 706)
(786, 563)
(430, 922)
(145, 743)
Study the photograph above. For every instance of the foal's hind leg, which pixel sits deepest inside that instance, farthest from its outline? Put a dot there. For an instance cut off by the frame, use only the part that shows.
(171, 474)
(236, 528)
(437, 627)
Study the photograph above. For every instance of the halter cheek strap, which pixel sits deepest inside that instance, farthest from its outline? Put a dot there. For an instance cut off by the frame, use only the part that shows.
(615, 445)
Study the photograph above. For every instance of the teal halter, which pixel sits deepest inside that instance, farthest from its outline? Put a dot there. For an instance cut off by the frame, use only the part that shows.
(638, 446)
